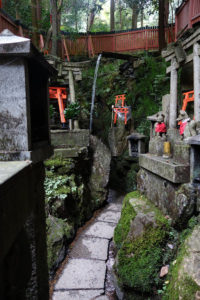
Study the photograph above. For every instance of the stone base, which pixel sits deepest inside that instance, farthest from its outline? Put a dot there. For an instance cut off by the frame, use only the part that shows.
(165, 168)
(70, 138)
(156, 146)
(182, 153)
(70, 152)
(176, 200)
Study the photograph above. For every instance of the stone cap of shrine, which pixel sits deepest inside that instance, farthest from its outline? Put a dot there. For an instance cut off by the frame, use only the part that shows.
(13, 45)
(153, 118)
(136, 136)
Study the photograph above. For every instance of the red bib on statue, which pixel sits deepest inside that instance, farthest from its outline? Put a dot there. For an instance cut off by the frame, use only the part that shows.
(161, 127)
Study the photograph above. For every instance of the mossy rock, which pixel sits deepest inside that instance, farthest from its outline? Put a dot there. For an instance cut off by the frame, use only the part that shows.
(140, 237)
(58, 232)
(184, 277)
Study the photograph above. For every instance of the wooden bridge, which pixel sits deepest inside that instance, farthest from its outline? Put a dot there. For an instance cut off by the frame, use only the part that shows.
(187, 15)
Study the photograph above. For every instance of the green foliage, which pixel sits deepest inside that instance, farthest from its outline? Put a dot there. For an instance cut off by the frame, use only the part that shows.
(57, 187)
(140, 258)
(150, 85)
(51, 111)
(144, 93)
(72, 111)
(24, 10)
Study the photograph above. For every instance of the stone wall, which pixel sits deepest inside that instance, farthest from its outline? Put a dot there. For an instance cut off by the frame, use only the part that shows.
(175, 200)
(23, 264)
(76, 185)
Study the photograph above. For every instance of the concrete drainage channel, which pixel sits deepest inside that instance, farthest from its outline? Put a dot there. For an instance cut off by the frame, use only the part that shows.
(87, 273)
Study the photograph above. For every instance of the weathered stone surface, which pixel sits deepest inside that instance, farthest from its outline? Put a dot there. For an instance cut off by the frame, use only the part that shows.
(140, 223)
(185, 275)
(156, 146)
(117, 139)
(100, 170)
(115, 207)
(82, 273)
(77, 295)
(182, 153)
(167, 169)
(191, 260)
(70, 152)
(109, 216)
(103, 297)
(70, 138)
(90, 248)
(175, 200)
(58, 232)
(101, 229)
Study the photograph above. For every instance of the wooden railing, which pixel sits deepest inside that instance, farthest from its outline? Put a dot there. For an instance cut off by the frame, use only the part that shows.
(7, 23)
(126, 41)
(143, 39)
(186, 16)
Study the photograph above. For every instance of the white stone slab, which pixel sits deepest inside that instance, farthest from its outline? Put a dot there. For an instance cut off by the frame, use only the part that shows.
(82, 274)
(100, 229)
(109, 216)
(90, 248)
(77, 295)
(114, 206)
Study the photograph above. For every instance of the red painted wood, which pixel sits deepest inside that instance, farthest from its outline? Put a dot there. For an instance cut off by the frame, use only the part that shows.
(187, 15)
(145, 39)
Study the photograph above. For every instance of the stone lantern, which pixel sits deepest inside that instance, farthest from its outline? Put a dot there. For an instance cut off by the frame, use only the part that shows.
(136, 143)
(24, 118)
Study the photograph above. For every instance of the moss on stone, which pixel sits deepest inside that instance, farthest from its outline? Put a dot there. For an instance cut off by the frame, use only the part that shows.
(140, 258)
(58, 162)
(122, 229)
(181, 286)
(58, 231)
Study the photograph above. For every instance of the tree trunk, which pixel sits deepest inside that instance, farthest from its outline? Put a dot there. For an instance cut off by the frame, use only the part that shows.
(38, 11)
(162, 42)
(134, 17)
(112, 15)
(120, 18)
(54, 48)
(34, 22)
(90, 20)
(166, 12)
(17, 9)
(142, 18)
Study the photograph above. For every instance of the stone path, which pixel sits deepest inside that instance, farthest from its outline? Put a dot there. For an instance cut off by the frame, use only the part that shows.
(83, 277)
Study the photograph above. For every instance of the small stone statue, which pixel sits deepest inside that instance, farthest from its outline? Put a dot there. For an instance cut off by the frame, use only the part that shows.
(187, 126)
(160, 127)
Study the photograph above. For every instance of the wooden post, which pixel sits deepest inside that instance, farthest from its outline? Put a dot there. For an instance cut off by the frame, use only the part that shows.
(173, 94)
(196, 68)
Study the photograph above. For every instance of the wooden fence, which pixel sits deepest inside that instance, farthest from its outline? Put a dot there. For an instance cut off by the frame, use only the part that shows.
(7, 23)
(143, 39)
(187, 15)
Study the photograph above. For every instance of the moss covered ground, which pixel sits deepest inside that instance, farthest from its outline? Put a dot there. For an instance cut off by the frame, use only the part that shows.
(139, 259)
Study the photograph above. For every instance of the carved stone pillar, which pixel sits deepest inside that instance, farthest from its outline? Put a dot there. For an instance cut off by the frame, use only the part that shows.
(173, 94)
